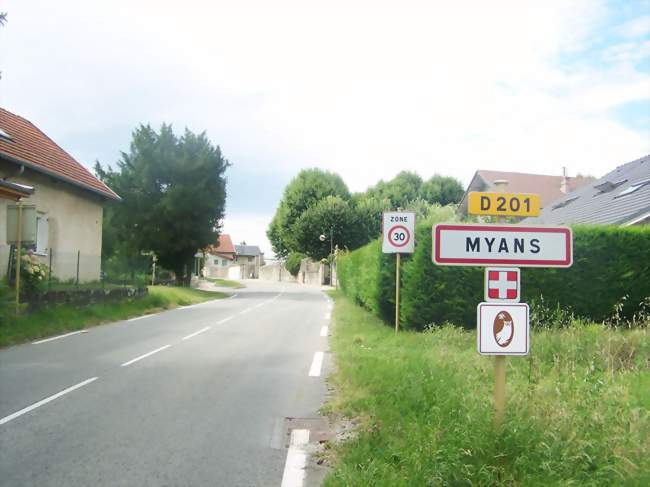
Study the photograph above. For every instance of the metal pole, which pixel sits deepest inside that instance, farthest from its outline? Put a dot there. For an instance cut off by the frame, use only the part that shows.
(397, 266)
(19, 244)
(499, 360)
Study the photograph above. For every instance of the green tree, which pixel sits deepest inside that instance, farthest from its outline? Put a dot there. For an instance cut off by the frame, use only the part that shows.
(443, 190)
(333, 217)
(369, 211)
(304, 191)
(173, 197)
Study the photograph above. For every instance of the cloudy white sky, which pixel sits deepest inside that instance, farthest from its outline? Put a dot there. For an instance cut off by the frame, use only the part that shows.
(366, 89)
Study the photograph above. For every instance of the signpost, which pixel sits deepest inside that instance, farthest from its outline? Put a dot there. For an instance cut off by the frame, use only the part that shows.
(21, 230)
(503, 326)
(503, 204)
(398, 237)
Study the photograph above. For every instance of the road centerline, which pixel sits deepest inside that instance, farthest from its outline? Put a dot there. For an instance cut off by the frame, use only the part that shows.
(192, 335)
(148, 354)
(42, 402)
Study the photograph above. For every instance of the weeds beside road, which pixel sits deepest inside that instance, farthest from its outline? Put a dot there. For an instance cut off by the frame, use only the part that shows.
(577, 408)
(65, 318)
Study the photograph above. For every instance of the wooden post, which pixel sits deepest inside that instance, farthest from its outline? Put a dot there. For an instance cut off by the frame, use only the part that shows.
(397, 285)
(499, 360)
(19, 244)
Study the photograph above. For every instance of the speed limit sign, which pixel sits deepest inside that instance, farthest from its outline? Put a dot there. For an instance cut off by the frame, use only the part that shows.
(398, 232)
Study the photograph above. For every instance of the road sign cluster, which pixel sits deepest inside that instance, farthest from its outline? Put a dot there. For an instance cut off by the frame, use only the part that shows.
(502, 322)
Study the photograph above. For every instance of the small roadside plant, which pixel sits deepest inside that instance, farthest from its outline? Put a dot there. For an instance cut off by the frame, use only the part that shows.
(33, 273)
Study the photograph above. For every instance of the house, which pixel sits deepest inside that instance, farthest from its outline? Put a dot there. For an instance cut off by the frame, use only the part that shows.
(621, 197)
(232, 261)
(549, 188)
(68, 198)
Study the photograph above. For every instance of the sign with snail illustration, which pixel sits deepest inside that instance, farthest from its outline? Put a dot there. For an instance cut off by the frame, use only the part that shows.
(503, 329)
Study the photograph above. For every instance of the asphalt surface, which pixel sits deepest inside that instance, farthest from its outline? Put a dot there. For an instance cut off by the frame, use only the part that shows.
(204, 410)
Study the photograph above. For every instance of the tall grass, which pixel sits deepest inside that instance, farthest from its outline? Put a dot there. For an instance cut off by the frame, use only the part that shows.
(577, 407)
(61, 319)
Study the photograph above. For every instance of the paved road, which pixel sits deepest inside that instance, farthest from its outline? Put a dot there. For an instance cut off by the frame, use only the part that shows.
(205, 409)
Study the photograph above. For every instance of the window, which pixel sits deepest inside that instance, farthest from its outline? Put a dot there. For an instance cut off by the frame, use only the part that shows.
(224, 262)
(42, 234)
(5, 136)
(632, 188)
(216, 262)
(607, 186)
(250, 259)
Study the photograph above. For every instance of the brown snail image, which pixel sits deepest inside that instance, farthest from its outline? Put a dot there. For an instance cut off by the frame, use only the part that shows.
(503, 329)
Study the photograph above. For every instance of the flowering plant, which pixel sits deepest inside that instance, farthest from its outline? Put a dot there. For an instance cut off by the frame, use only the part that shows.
(32, 271)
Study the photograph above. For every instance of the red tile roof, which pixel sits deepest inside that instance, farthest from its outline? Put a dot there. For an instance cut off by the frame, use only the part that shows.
(225, 245)
(547, 187)
(34, 149)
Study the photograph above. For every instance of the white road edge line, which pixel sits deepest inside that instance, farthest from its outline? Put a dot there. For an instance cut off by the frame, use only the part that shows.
(328, 316)
(316, 364)
(196, 333)
(142, 317)
(323, 331)
(38, 404)
(144, 356)
(224, 320)
(294, 467)
(59, 336)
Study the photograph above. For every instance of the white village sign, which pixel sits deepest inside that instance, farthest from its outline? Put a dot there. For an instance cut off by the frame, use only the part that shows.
(515, 245)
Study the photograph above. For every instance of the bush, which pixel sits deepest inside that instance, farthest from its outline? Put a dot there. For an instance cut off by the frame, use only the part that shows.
(33, 273)
(6, 309)
(293, 262)
(611, 265)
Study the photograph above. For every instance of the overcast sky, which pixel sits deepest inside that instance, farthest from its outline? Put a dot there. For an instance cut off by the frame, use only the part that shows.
(366, 91)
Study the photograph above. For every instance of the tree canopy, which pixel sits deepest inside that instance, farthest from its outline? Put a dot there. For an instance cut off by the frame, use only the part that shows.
(173, 192)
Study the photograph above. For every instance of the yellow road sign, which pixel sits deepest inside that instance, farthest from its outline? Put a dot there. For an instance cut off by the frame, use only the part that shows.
(503, 204)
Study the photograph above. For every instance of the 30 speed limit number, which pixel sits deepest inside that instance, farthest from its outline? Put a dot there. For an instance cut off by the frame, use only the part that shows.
(398, 232)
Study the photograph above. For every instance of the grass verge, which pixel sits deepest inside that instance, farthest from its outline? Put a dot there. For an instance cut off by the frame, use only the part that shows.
(65, 318)
(577, 407)
(227, 283)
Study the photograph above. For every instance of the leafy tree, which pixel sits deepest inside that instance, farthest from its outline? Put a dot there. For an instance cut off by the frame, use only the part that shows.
(294, 259)
(368, 211)
(305, 190)
(400, 190)
(444, 190)
(173, 191)
(332, 217)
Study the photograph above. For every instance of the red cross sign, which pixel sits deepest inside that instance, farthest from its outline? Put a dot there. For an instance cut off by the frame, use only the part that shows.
(502, 284)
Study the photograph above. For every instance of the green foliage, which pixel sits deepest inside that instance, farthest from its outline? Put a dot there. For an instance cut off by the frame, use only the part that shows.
(335, 219)
(400, 191)
(173, 193)
(293, 262)
(443, 190)
(6, 297)
(577, 410)
(609, 275)
(308, 188)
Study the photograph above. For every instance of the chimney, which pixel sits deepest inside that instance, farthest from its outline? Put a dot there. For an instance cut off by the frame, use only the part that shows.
(563, 183)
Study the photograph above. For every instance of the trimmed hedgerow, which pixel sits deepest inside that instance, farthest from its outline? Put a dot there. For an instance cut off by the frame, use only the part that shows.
(611, 266)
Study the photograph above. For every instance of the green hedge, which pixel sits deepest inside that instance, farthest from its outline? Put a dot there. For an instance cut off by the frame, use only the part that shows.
(610, 263)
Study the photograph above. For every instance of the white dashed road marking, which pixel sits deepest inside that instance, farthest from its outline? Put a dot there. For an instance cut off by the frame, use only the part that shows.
(145, 355)
(58, 337)
(38, 404)
(196, 333)
(323, 331)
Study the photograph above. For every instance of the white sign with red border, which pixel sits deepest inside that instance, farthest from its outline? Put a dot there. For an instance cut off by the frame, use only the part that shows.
(502, 329)
(509, 245)
(502, 284)
(398, 232)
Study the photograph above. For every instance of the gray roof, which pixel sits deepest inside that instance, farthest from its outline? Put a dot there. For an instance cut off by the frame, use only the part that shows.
(620, 197)
(250, 250)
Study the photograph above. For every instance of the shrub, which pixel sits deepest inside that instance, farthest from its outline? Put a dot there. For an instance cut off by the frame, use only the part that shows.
(5, 303)
(611, 266)
(33, 273)
(293, 262)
